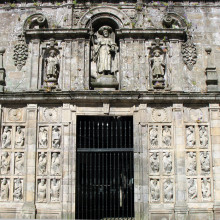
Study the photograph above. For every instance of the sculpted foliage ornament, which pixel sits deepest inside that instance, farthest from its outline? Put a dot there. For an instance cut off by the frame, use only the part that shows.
(20, 53)
(189, 52)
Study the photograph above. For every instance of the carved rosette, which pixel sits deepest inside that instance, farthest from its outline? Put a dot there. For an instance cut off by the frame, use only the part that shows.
(159, 115)
(14, 114)
(50, 114)
(189, 53)
(20, 53)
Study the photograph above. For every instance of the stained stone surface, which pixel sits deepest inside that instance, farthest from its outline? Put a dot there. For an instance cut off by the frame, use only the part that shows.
(160, 65)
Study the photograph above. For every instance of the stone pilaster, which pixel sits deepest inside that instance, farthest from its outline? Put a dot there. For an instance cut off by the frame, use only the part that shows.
(180, 177)
(28, 209)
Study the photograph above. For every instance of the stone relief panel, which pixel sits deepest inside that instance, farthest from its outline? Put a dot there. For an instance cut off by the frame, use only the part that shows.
(196, 115)
(168, 190)
(5, 163)
(50, 114)
(19, 163)
(20, 137)
(154, 162)
(18, 189)
(155, 190)
(14, 114)
(6, 137)
(49, 163)
(5, 189)
(167, 162)
(198, 161)
(160, 115)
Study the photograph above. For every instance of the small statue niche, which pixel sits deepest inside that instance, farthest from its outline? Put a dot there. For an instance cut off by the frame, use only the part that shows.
(51, 67)
(158, 67)
(104, 59)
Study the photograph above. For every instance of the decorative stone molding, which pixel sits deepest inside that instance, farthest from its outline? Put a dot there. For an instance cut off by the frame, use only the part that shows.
(174, 21)
(15, 114)
(189, 52)
(50, 114)
(159, 115)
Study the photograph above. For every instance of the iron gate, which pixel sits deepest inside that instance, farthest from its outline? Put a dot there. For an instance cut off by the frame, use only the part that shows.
(104, 168)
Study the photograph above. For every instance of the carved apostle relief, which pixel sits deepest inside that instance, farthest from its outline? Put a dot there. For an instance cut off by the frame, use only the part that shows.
(166, 136)
(192, 189)
(104, 54)
(167, 162)
(168, 190)
(6, 137)
(19, 137)
(18, 190)
(155, 190)
(206, 188)
(43, 137)
(157, 63)
(19, 163)
(5, 163)
(154, 136)
(191, 161)
(42, 163)
(55, 190)
(203, 136)
(205, 162)
(4, 190)
(56, 137)
(55, 164)
(41, 190)
(190, 137)
(154, 162)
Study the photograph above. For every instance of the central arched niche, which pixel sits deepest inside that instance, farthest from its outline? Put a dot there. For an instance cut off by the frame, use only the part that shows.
(104, 52)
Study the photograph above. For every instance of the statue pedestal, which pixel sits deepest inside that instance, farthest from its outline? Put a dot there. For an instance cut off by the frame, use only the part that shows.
(50, 84)
(2, 79)
(158, 83)
(105, 82)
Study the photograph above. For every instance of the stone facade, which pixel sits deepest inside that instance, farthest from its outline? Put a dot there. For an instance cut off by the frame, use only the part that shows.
(155, 61)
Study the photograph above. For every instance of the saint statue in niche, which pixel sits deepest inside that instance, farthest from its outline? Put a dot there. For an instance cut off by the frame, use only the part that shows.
(4, 190)
(42, 190)
(104, 55)
(19, 140)
(6, 137)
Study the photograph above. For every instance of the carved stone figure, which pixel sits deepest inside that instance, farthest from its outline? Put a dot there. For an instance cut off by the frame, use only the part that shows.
(42, 187)
(19, 137)
(18, 195)
(192, 189)
(52, 66)
(168, 190)
(42, 163)
(205, 162)
(203, 135)
(191, 168)
(55, 190)
(56, 136)
(6, 137)
(166, 136)
(206, 188)
(167, 162)
(43, 137)
(155, 190)
(104, 52)
(5, 163)
(55, 164)
(4, 190)
(154, 162)
(154, 136)
(190, 137)
(19, 163)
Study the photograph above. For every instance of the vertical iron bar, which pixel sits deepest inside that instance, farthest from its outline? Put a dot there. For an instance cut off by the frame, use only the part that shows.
(127, 181)
(84, 144)
(99, 197)
(130, 134)
(122, 182)
(132, 186)
(80, 134)
(112, 134)
(120, 127)
(114, 186)
(90, 186)
(89, 144)
(93, 132)
(103, 132)
(116, 134)
(107, 138)
(98, 130)
(125, 137)
(95, 188)
(86, 186)
(82, 187)
(103, 182)
(118, 177)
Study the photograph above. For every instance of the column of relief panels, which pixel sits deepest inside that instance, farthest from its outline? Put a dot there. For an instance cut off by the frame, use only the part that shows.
(49, 156)
(12, 160)
(198, 157)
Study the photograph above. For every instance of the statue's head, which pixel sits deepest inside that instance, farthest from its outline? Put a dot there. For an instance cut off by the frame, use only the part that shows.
(157, 53)
(4, 181)
(19, 128)
(105, 31)
(52, 53)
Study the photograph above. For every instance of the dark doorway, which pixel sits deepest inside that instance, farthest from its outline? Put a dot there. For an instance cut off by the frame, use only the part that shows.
(104, 168)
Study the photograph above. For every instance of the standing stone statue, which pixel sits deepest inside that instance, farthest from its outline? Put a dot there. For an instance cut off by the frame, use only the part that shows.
(43, 137)
(154, 136)
(5, 163)
(168, 190)
(4, 190)
(42, 187)
(154, 162)
(192, 189)
(190, 137)
(56, 136)
(155, 190)
(104, 52)
(52, 66)
(166, 136)
(6, 137)
(42, 163)
(19, 137)
(55, 164)
(205, 162)
(55, 190)
(206, 188)
(191, 168)
(19, 163)
(203, 135)
(167, 162)
(18, 195)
